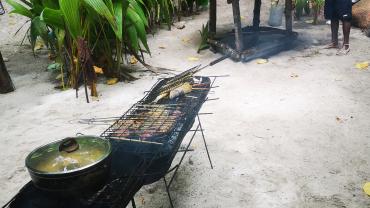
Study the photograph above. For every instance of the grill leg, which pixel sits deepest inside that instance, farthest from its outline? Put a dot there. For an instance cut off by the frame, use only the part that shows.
(168, 191)
(204, 140)
(238, 26)
(183, 155)
(133, 203)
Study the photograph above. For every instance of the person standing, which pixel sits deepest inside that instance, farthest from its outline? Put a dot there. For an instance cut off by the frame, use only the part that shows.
(334, 11)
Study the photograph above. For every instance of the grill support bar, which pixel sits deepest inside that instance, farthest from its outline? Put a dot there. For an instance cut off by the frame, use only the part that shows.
(175, 169)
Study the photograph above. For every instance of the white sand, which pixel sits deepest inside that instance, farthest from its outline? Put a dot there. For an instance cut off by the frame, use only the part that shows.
(274, 138)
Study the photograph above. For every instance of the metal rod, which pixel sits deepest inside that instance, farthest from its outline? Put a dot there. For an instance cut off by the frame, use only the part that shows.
(211, 99)
(204, 140)
(183, 155)
(205, 113)
(134, 140)
(168, 191)
(133, 202)
(183, 150)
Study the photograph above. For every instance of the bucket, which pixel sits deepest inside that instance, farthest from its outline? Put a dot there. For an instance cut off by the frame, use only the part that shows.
(276, 15)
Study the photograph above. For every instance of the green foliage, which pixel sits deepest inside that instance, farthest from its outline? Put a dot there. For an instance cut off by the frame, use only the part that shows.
(109, 27)
(300, 6)
(20, 9)
(316, 6)
(204, 34)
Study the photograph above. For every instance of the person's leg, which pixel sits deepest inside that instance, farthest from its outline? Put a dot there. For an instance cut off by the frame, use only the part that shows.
(344, 12)
(346, 32)
(329, 9)
(334, 23)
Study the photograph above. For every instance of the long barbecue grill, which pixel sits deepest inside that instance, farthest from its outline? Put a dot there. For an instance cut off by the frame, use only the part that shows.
(145, 140)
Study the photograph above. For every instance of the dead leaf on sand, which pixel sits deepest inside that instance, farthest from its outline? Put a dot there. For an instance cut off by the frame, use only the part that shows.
(362, 65)
(162, 47)
(133, 60)
(309, 21)
(293, 75)
(366, 188)
(185, 40)
(142, 200)
(112, 81)
(98, 70)
(39, 45)
(339, 119)
(193, 58)
(262, 61)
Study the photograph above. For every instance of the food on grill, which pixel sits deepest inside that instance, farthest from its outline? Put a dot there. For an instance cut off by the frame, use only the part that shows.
(174, 91)
(160, 97)
(182, 90)
(147, 124)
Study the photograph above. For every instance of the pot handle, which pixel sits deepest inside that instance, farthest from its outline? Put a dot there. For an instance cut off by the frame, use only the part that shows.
(69, 145)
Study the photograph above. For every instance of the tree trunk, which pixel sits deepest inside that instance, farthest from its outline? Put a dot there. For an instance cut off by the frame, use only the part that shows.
(6, 84)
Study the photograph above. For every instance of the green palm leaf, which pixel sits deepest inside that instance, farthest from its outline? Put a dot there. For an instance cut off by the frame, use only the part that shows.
(139, 26)
(101, 8)
(53, 17)
(118, 15)
(71, 14)
(19, 9)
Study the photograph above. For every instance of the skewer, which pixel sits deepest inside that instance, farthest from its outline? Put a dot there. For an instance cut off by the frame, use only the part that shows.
(135, 140)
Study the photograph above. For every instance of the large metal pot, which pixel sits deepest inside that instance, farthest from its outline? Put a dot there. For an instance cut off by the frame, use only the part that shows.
(74, 165)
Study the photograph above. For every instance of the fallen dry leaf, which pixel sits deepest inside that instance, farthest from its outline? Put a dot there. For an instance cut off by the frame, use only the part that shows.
(309, 21)
(142, 200)
(294, 75)
(59, 77)
(366, 188)
(339, 119)
(186, 40)
(112, 81)
(98, 70)
(133, 60)
(262, 61)
(193, 58)
(362, 65)
(162, 47)
(39, 45)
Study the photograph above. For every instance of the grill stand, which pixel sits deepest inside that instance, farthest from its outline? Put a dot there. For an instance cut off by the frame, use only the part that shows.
(174, 169)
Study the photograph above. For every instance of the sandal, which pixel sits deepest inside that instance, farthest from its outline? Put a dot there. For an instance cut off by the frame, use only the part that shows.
(343, 51)
(331, 45)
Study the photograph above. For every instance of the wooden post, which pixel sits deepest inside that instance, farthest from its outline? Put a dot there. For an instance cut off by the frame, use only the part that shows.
(256, 14)
(212, 17)
(288, 16)
(6, 84)
(237, 26)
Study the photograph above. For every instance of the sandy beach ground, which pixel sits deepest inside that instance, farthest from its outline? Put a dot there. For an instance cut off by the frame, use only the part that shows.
(293, 132)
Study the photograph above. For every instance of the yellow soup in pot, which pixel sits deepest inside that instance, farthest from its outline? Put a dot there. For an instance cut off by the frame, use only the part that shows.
(51, 160)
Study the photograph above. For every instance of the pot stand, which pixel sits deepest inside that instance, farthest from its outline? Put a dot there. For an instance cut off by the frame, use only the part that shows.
(240, 44)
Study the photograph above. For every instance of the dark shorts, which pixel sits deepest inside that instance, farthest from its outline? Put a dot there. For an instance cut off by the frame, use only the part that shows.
(338, 10)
